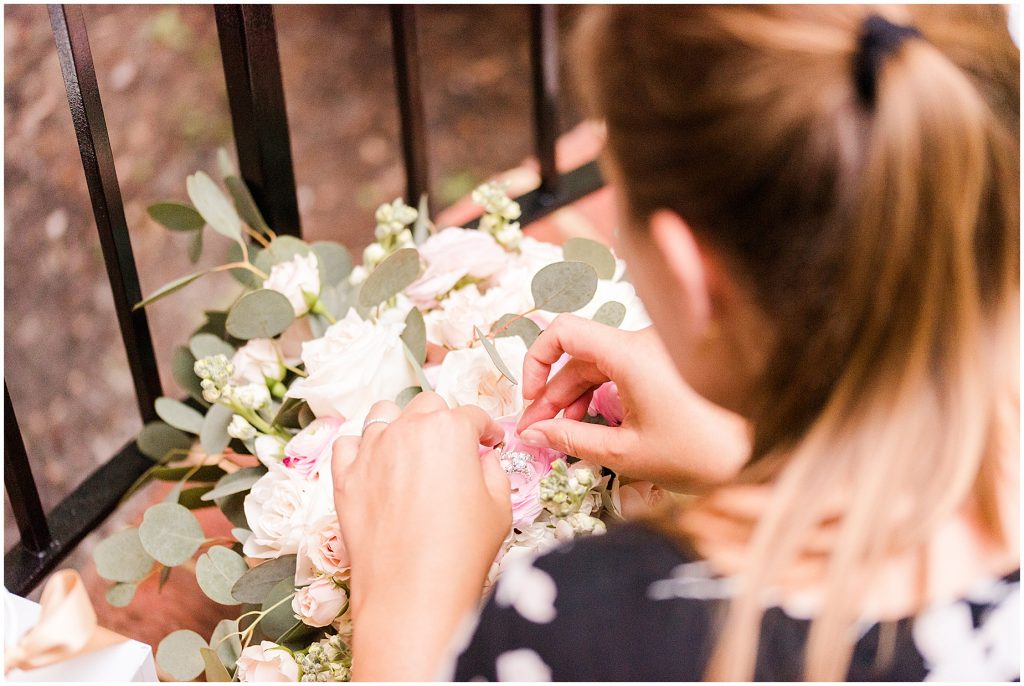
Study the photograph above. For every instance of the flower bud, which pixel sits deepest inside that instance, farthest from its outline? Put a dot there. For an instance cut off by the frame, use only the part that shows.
(241, 429)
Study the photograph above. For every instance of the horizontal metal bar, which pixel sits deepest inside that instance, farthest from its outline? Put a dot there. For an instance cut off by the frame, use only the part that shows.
(572, 186)
(83, 92)
(545, 86)
(21, 486)
(410, 102)
(75, 518)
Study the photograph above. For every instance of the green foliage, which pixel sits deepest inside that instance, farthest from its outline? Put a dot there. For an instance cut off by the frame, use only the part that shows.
(492, 352)
(279, 620)
(333, 262)
(406, 395)
(256, 257)
(611, 313)
(235, 482)
(192, 498)
(390, 277)
(157, 440)
(206, 473)
(168, 288)
(214, 669)
(564, 286)
(417, 369)
(170, 533)
(178, 655)
(217, 571)
(415, 335)
(120, 595)
(207, 344)
(288, 414)
(260, 314)
(228, 649)
(179, 415)
(122, 557)
(213, 436)
(593, 253)
(421, 229)
(516, 325)
(195, 247)
(244, 203)
(182, 368)
(233, 507)
(284, 249)
(176, 216)
(214, 206)
(254, 585)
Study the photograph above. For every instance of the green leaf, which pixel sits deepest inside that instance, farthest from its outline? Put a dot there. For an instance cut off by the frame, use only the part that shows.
(338, 299)
(298, 636)
(406, 395)
(417, 369)
(421, 229)
(241, 535)
(233, 507)
(415, 335)
(244, 276)
(260, 314)
(245, 204)
(191, 498)
(214, 206)
(281, 618)
(611, 313)
(206, 473)
(120, 595)
(195, 247)
(227, 649)
(390, 277)
(516, 325)
(492, 352)
(179, 415)
(122, 557)
(593, 253)
(157, 439)
(182, 368)
(288, 414)
(236, 482)
(217, 571)
(168, 288)
(306, 416)
(176, 216)
(215, 671)
(165, 574)
(284, 249)
(255, 584)
(170, 533)
(178, 655)
(207, 344)
(333, 261)
(214, 435)
(564, 286)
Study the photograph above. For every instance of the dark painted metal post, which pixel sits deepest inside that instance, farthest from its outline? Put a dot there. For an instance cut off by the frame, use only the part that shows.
(252, 70)
(98, 162)
(21, 487)
(410, 102)
(545, 82)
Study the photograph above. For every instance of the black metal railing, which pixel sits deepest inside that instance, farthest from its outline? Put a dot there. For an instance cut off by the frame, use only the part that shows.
(248, 44)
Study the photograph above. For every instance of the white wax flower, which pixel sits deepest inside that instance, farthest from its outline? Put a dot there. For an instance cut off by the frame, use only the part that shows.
(277, 509)
(295, 278)
(319, 603)
(469, 377)
(267, 662)
(257, 361)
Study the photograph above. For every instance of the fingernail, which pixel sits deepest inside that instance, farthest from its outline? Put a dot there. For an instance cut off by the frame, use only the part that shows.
(534, 439)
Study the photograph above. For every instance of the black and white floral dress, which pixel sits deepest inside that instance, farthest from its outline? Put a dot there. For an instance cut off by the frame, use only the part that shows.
(630, 606)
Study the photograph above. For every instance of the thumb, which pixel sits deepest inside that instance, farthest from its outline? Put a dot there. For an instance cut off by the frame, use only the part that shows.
(495, 478)
(604, 445)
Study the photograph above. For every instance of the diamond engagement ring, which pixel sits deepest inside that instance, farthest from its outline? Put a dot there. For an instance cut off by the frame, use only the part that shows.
(517, 462)
(375, 420)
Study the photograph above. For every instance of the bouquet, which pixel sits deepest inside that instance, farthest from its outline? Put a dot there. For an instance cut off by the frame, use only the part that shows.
(309, 344)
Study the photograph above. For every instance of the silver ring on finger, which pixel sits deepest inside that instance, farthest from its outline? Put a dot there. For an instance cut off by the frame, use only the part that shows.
(375, 420)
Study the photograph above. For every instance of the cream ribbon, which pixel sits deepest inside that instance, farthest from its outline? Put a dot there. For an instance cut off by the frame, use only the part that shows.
(66, 628)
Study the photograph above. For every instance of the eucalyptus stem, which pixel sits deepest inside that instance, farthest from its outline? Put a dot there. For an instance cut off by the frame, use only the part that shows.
(295, 370)
(257, 235)
(250, 630)
(514, 319)
(240, 265)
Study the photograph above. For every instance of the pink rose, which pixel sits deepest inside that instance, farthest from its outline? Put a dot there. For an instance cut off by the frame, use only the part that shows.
(606, 402)
(451, 255)
(322, 553)
(526, 505)
(319, 603)
(267, 662)
(305, 452)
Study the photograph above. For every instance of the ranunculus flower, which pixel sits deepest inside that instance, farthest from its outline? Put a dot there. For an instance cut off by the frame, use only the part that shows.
(257, 361)
(312, 445)
(469, 377)
(526, 505)
(267, 662)
(451, 255)
(277, 509)
(295, 278)
(355, 364)
(322, 552)
(319, 603)
(607, 403)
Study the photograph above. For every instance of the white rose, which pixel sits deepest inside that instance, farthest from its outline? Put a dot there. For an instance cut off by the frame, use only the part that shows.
(469, 377)
(267, 662)
(277, 509)
(452, 324)
(294, 278)
(319, 603)
(451, 255)
(322, 552)
(534, 255)
(354, 365)
(257, 361)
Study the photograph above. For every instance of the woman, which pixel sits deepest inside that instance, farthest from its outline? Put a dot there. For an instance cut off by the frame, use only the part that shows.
(821, 212)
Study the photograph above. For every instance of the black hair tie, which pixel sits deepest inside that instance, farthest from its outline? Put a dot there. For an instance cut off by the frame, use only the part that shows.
(879, 38)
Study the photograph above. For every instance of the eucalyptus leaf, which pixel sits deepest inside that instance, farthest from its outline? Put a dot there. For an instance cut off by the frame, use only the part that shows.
(415, 335)
(492, 352)
(183, 370)
(390, 277)
(176, 216)
(214, 434)
(306, 416)
(179, 415)
(206, 473)
(214, 670)
(421, 229)
(178, 655)
(235, 482)
(227, 646)
(285, 248)
(516, 325)
(168, 288)
(611, 313)
(191, 498)
(417, 369)
(217, 571)
(214, 206)
(288, 414)
(170, 533)
(406, 395)
(564, 286)
(120, 595)
(233, 507)
(279, 620)
(245, 204)
(593, 253)
(333, 261)
(260, 314)
(255, 584)
(207, 345)
(122, 557)
(157, 440)
(244, 276)
(195, 247)
(241, 535)
(165, 574)
(297, 637)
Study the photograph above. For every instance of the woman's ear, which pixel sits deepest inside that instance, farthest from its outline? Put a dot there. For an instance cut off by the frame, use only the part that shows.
(686, 265)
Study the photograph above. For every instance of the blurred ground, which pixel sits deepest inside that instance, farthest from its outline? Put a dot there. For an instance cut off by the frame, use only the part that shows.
(162, 86)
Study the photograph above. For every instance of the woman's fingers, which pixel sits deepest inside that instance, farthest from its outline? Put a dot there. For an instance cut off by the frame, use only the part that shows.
(490, 432)
(566, 387)
(381, 414)
(496, 481)
(583, 339)
(604, 445)
(425, 403)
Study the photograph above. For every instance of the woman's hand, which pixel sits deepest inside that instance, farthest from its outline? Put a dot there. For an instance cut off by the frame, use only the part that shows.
(670, 435)
(422, 516)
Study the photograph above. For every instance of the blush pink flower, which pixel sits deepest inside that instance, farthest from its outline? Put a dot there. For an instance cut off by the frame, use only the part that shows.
(311, 446)
(606, 402)
(526, 505)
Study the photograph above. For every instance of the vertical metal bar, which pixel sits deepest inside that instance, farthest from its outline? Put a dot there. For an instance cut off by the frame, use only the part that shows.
(98, 163)
(21, 487)
(252, 70)
(544, 68)
(410, 101)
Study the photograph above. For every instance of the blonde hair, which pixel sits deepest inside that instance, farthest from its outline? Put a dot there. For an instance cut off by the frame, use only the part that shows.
(882, 238)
